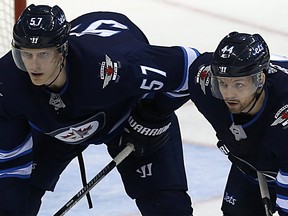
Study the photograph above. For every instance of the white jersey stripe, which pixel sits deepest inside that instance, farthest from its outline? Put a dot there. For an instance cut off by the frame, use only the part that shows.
(282, 178)
(9, 155)
(190, 56)
(20, 172)
(282, 203)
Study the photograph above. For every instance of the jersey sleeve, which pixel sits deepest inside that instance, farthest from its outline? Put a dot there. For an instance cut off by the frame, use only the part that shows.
(280, 150)
(276, 137)
(129, 61)
(282, 194)
(15, 146)
(175, 93)
(153, 69)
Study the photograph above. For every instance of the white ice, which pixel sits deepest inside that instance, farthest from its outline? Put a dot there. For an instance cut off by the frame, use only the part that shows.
(199, 24)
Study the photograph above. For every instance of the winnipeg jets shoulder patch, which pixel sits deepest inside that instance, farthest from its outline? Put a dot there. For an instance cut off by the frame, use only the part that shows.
(108, 71)
(281, 117)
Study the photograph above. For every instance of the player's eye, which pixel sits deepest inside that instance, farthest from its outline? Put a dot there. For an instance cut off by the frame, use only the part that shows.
(222, 83)
(26, 55)
(239, 85)
(44, 55)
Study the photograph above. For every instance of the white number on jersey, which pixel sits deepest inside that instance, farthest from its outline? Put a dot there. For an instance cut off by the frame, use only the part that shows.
(94, 28)
(154, 84)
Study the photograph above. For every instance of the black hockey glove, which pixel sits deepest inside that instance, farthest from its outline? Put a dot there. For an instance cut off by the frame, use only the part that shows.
(147, 134)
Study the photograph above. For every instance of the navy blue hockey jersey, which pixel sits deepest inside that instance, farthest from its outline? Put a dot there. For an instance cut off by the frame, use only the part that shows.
(261, 141)
(110, 66)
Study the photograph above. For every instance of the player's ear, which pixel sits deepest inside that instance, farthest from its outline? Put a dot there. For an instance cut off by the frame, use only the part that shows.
(262, 78)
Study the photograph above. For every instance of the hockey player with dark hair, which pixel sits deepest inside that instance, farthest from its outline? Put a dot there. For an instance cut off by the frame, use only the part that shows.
(66, 85)
(242, 92)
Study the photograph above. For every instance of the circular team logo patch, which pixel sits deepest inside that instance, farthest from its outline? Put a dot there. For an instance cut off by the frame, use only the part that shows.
(77, 133)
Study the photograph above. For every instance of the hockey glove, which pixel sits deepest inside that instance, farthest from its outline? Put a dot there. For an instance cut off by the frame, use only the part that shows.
(147, 135)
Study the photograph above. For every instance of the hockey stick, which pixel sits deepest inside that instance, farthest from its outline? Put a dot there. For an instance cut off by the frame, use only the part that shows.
(83, 178)
(265, 193)
(117, 160)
